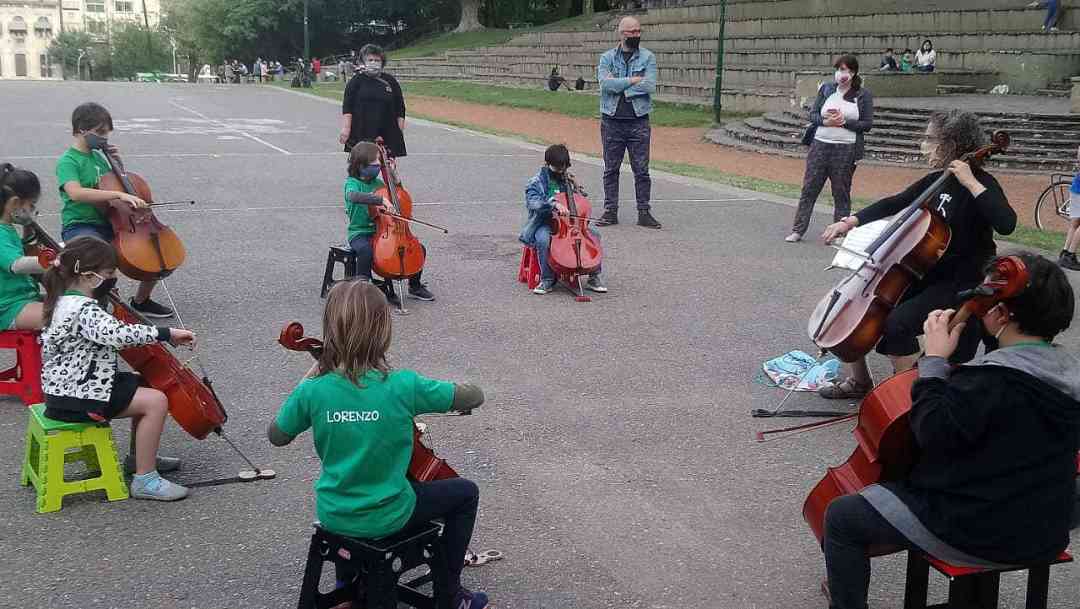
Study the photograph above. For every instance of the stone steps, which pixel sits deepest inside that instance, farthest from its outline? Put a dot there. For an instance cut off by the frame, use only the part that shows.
(749, 10)
(1025, 142)
(763, 141)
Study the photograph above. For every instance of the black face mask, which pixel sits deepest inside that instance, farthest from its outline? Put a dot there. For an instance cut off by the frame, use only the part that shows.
(102, 289)
(95, 141)
(633, 42)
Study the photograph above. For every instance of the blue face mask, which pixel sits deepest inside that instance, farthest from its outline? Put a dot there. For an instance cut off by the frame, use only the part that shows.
(370, 172)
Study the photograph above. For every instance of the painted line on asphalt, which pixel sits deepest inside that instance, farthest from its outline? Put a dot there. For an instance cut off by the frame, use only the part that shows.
(289, 207)
(228, 127)
(50, 157)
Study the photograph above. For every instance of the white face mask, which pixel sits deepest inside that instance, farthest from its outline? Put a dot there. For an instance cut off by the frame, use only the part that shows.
(843, 77)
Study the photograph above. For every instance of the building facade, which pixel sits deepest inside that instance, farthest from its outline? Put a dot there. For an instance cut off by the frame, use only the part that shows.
(28, 27)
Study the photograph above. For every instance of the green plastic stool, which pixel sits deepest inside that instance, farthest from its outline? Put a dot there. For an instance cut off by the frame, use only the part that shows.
(51, 444)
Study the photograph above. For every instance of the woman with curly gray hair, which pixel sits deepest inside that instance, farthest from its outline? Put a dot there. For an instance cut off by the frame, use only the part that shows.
(975, 207)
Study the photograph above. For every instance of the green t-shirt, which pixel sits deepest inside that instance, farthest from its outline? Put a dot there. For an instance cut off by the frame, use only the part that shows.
(360, 222)
(86, 168)
(364, 437)
(15, 290)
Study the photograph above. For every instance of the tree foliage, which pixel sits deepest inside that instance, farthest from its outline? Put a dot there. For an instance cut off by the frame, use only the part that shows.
(134, 48)
(211, 31)
(65, 49)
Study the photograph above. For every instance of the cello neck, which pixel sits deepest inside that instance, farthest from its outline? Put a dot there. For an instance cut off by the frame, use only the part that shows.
(118, 169)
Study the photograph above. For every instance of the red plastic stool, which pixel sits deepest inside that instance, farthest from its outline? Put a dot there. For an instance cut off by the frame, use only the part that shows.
(24, 378)
(529, 269)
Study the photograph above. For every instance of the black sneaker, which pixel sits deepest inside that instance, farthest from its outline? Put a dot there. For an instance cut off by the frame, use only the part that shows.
(609, 218)
(149, 308)
(1069, 262)
(645, 219)
(391, 295)
(420, 292)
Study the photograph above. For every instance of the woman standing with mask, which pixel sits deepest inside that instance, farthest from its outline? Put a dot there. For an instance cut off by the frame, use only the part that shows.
(843, 112)
(374, 105)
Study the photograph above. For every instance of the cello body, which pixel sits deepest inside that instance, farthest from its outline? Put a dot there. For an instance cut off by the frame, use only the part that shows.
(192, 403)
(850, 320)
(574, 249)
(146, 249)
(397, 253)
(885, 449)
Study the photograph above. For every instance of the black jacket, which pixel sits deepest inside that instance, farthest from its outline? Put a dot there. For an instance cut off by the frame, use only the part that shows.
(973, 222)
(375, 103)
(998, 441)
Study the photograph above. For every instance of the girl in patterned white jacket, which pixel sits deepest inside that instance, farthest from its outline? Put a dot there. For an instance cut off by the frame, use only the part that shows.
(79, 347)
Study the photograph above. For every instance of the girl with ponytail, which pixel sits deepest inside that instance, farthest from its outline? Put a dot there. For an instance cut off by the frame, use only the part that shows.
(20, 298)
(79, 348)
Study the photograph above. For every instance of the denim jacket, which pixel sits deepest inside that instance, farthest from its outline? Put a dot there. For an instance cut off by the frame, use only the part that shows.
(863, 99)
(538, 204)
(612, 64)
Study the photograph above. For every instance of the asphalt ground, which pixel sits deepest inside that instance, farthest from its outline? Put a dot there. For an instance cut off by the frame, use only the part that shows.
(615, 454)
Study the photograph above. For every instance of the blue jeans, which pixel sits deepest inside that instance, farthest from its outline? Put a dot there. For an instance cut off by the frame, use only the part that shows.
(101, 231)
(542, 243)
(1052, 7)
(620, 137)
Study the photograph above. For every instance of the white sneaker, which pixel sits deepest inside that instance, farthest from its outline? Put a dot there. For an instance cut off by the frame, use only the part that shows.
(793, 238)
(544, 287)
(596, 285)
(156, 488)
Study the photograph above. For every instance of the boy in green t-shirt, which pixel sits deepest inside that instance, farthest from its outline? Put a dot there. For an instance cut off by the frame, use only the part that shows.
(361, 416)
(78, 172)
(362, 182)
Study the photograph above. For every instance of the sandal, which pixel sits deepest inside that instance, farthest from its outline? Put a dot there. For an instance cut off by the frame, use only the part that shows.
(847, 389)
(473, 559)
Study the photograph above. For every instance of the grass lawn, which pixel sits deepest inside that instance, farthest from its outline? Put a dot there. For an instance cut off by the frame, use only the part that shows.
(673, 115)
(581, 105)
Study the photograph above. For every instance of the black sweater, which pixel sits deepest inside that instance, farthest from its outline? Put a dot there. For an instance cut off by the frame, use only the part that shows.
(375, 103)
(998, 448)
(973, 222)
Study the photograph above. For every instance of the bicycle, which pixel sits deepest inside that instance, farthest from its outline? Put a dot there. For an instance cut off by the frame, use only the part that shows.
(1052, 208)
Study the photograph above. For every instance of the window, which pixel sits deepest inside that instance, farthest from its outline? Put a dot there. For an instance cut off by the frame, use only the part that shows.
(43, 28)
(20, 64)
(46, 67)
(95, 6)
(94, 26)
(124, 6)
(17, 28)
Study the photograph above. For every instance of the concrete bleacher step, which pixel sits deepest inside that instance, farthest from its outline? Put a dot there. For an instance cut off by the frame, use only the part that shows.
(769, 142)
(1038, 133)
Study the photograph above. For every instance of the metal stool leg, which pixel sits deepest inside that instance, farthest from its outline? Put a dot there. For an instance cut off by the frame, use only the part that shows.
(328, 275)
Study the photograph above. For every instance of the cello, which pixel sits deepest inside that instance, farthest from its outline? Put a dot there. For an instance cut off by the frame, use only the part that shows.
(850, 319)
(397, 253)
(146, 249)
(574, 251)
(886, 448)
(193, 403)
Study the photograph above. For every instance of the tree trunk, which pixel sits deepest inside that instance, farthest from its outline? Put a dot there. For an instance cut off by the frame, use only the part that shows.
(586, 7)
(470, 16)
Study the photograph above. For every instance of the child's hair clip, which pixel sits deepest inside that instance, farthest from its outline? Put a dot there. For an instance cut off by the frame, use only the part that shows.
(56, 262)
(76, 269)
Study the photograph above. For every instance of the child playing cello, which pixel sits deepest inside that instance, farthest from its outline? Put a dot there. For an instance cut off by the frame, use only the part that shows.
(79, 348)
(360, 205)
(541, 197)
(361, 414)
(20, 298)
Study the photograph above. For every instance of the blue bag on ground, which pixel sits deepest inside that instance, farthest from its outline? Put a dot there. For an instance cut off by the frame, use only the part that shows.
(801, 371)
